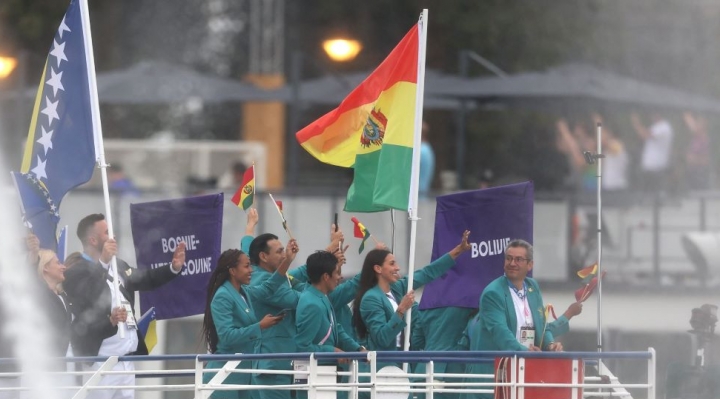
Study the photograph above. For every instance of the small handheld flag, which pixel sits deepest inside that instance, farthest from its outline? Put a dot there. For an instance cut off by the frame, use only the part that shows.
(245, 195)
(587, 273)
(590, 279)
(360, 232)
(62, 244)
(279, 206)
(148, 328)
(549, 310)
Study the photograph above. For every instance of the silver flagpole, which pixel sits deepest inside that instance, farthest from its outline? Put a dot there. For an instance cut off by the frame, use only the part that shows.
(599, 235)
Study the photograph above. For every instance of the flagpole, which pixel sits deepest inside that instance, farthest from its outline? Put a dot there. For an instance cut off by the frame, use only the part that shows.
(599, 236)
(254, 185)
(415, 175)
(99, 148)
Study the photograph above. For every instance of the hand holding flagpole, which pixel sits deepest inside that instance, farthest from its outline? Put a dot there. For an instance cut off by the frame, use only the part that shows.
(278, 206)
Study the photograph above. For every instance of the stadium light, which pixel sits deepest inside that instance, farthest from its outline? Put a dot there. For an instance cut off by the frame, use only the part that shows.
(342, 50)
(7, 65)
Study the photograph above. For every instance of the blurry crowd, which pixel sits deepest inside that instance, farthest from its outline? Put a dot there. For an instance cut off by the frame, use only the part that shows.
(664, 162)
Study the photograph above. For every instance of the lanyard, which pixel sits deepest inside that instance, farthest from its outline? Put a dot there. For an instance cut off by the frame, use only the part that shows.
(520, 294)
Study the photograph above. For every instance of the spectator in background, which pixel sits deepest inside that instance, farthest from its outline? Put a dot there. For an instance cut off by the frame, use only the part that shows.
(655, 163)
(119, 183)
(697, 155)
(232, 179)
(572, 143)
(615, 163)
(427, 162)
(487, 179)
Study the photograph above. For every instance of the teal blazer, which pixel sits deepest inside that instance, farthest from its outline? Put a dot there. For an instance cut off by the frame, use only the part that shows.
(238, 328)
(383, 324)
(498, 321)
(315, 318)
(497, 324)
(280, 338)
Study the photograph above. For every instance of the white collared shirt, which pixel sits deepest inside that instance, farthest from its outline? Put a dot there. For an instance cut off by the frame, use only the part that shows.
(393, 302)
(522, 312)
(116, 346)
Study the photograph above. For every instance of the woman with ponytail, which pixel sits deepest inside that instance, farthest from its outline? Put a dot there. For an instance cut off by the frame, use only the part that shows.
(383, 296)
(230, 325)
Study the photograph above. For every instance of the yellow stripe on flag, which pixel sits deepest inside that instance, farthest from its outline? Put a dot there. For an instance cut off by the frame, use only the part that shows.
(29, 144)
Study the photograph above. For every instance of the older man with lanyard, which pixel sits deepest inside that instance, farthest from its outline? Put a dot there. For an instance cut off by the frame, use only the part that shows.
(512, 314)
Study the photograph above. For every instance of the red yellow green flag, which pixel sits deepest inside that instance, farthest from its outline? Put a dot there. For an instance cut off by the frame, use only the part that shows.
(587, 273)
(372, 131)
(245, 195)
(360, 232)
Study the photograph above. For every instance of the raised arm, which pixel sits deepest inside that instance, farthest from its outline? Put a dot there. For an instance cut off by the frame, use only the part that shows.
(435, 269)
(640, 129)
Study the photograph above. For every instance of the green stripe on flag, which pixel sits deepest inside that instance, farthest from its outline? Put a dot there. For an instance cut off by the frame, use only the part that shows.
(247, 202)
(381, 181)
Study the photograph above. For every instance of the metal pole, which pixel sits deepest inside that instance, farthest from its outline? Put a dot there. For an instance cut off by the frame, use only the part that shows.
(599, 235)
(461, 122)
(295, 108)
(656, 238)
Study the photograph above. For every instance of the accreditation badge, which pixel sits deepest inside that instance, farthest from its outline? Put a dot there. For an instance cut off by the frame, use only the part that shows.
(527, 336)
(130, 322)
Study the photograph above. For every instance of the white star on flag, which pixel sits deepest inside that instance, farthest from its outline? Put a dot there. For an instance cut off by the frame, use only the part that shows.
(46, 140)
(63, 28)
(39, 170)
(50, 109)
(58, 52)
(55, 81)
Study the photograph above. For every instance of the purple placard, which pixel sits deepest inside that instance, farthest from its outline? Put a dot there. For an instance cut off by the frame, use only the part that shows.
(157, 227)
(494, 216)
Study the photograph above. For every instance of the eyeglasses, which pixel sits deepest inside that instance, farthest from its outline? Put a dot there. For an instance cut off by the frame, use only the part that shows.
(518, 259)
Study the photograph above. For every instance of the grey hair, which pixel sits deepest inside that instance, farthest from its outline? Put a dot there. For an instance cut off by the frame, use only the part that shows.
(518, 243)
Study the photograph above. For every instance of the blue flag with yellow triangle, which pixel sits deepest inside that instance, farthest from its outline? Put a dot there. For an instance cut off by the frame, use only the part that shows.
(60, 147)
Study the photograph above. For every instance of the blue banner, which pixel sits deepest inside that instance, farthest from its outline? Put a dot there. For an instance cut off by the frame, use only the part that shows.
(157, 228)
(494, 216)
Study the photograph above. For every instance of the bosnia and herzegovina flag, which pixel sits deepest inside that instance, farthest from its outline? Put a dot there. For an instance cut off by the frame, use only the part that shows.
(373, 131)
(60, 148)
(148, 328)
(245, 195)
(40, 214)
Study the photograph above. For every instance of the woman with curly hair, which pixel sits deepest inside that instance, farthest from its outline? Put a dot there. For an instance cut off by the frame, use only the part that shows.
(230, 325)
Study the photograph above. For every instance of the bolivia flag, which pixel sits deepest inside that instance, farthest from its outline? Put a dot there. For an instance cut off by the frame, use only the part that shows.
(587, 273)
(361, 232)
(245, 195)
(372, 131)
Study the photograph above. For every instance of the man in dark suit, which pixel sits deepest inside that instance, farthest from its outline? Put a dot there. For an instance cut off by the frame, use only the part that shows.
(89, 285)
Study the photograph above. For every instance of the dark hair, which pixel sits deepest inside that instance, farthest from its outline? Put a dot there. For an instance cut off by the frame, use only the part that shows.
(73, 259)
(518, 243)
(86, 224)
(368, 279)
(228, 260)
(260, 244)
(319, 263)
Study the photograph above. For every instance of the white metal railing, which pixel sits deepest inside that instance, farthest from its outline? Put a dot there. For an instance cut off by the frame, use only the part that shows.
(361, 376)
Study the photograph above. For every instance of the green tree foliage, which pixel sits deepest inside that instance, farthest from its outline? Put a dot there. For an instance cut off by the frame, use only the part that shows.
(28, 24)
